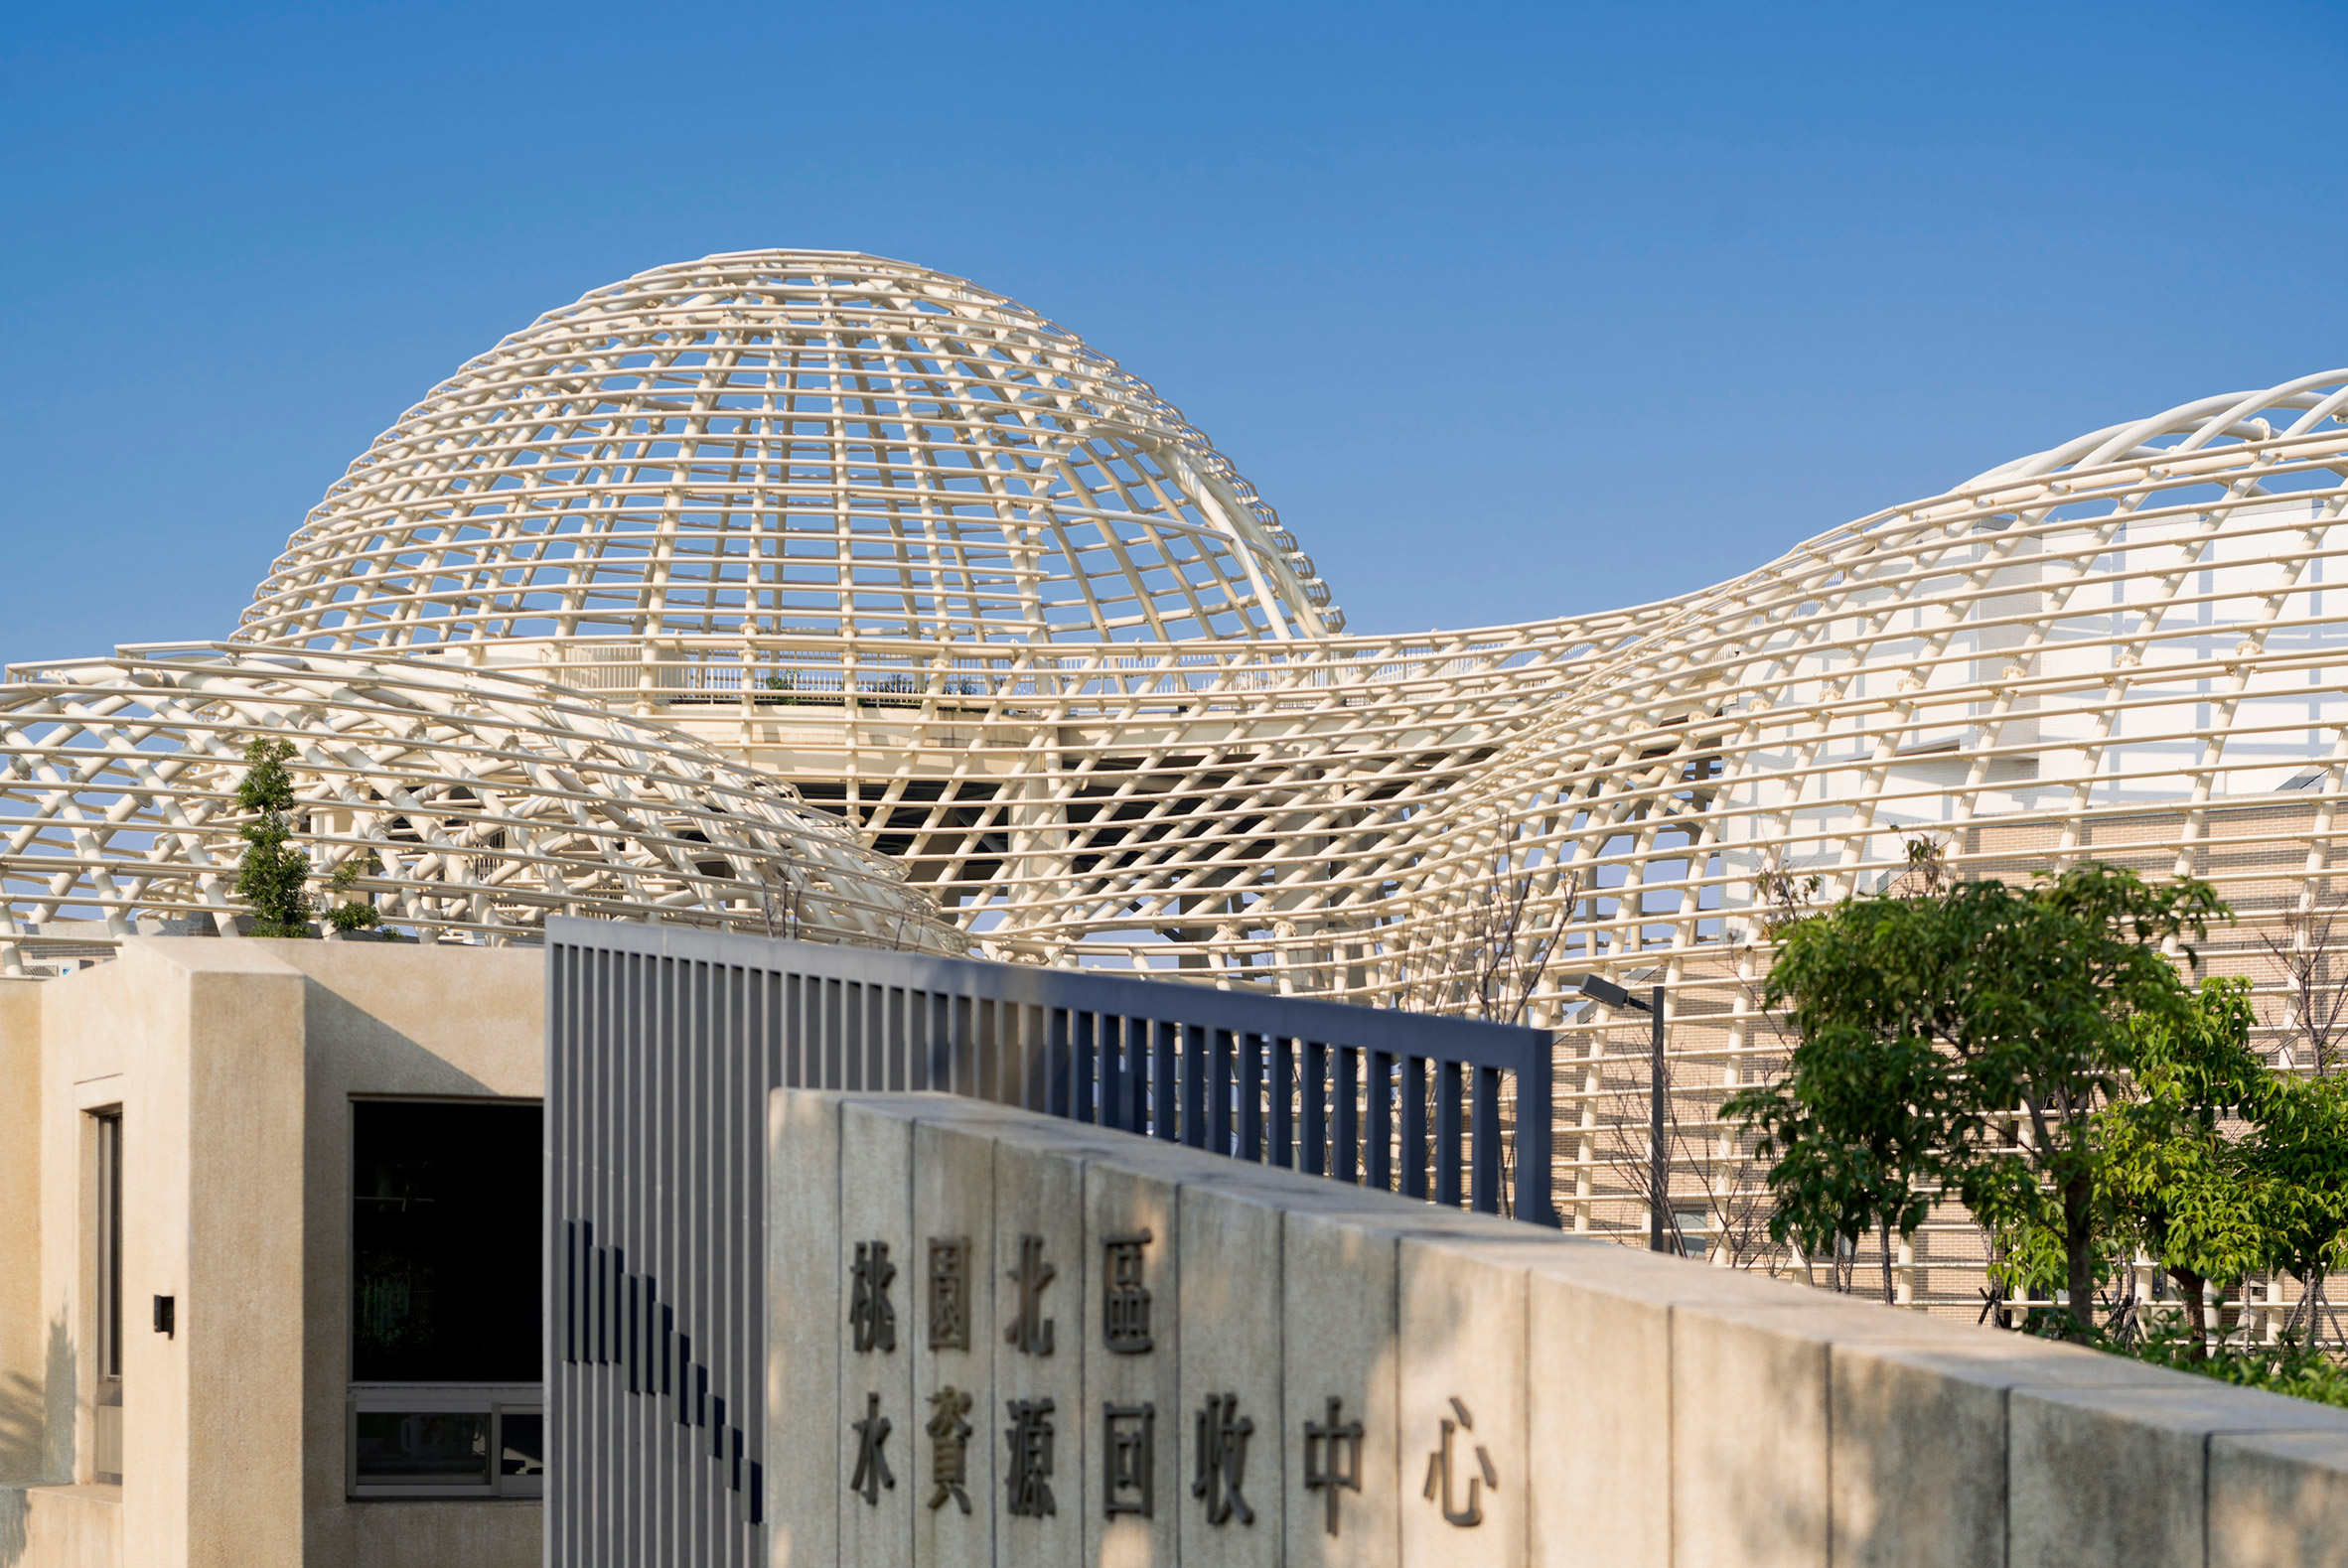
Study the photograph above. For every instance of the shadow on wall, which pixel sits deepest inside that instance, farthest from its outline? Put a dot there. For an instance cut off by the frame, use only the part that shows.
(35, 1438)
(64, 1403)
(391, 1057)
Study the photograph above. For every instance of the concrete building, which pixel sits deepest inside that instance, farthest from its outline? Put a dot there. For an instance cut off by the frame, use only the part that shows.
(254, 1201)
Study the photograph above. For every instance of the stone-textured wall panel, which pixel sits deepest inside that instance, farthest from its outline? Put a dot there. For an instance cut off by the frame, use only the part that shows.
(1039, 1355)
(1465, 1483)
(803, 1368)
(1234, 1438)
(1131, 1328)
(1748, 1445)
(1604, 1406)
(1341, 1368)
(2117, 1478)
(880, 1435)
(2278, 1501)
(952, 1333)
(1599, 1425)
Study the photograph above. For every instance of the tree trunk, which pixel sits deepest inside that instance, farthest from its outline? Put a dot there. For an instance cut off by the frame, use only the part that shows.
(2189, 1285)
(2079, 1243)
(1887, 1291)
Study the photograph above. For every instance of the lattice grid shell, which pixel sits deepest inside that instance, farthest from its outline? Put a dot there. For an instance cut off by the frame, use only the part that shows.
(784, 442)
(484, 801)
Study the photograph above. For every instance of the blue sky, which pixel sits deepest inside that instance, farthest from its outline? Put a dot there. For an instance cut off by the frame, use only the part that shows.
(1511, 311)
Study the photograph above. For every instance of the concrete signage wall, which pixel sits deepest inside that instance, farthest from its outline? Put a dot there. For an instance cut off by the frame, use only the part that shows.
(1001, 1338)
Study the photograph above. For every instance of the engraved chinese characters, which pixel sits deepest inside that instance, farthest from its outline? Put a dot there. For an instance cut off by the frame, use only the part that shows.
(1030, 1331)
(1442, 1463)
(1125, 1299)
(1029, 1482)
(872, 1325)
(1332, 1456)
(872, 1466)
(871, 1319)
(1222, 1453)
(950, 1293)
(950, 1427)
(949, 1451)
(1130, 1459)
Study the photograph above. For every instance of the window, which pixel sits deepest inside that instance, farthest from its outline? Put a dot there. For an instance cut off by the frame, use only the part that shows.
(107, 1456)
(459, 1441)
(445, 1300)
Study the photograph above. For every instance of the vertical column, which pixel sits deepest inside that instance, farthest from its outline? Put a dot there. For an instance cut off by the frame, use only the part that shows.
(804, 1312)
(1132, 1269)
(1233, 1431)
(954, 1339)
(1340, 1376)
(1038, 1425)
(878, 1426)
(1461, 1321)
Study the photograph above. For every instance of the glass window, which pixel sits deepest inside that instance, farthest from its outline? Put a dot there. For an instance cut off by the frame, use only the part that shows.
(109, 1244)
(423, 1447)
(106, 1448)
(445, 1243)
(409, 1441)
(522, 1446)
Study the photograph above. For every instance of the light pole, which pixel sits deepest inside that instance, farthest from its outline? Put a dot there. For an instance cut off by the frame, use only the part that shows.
(1659, 1161)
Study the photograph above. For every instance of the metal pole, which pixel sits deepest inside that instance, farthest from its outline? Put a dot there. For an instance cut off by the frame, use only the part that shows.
(1658, 1152)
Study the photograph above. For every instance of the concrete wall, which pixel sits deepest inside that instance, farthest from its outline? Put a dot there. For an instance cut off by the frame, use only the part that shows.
(1637, 1411)
(234, 1064)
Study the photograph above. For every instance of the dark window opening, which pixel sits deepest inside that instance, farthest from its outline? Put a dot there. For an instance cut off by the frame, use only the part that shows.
(109, 1247)
(445, 1243)
(106, 1416)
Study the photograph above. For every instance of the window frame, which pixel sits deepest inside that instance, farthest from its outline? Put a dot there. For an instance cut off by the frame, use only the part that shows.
(106, 1437)
(496, 1400)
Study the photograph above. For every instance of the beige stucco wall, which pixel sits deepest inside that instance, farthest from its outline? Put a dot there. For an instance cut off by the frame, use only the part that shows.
(22, 1377)
(236, 1063)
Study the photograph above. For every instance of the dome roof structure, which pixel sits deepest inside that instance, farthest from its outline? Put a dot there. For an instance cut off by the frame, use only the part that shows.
(464, 805)
(789, 443)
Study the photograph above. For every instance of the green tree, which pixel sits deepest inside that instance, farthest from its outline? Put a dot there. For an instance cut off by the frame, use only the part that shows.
(1853, 1131)
(2177, 1184)
(2300, 1152)
(1967, 1038)
(273, 877)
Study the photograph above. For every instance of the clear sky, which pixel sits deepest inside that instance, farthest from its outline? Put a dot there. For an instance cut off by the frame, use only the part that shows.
(1510, 311)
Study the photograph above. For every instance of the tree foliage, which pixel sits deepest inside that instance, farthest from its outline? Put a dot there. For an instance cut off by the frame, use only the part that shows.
(2175, 1182)
(1966, 1039)
(272, 877)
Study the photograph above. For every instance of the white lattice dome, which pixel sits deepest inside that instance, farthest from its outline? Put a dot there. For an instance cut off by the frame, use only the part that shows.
(785, 443)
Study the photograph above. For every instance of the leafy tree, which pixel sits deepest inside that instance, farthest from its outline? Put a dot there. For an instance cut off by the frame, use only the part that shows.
(2300, 1152)
(1854, 1133)
(273, 877)
(2180, 1188)
(1967, 1038)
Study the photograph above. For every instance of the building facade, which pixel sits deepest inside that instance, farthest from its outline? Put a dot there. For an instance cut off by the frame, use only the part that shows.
(269, 1257)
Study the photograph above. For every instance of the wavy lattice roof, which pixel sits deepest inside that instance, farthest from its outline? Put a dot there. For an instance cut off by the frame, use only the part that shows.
(467, 803)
